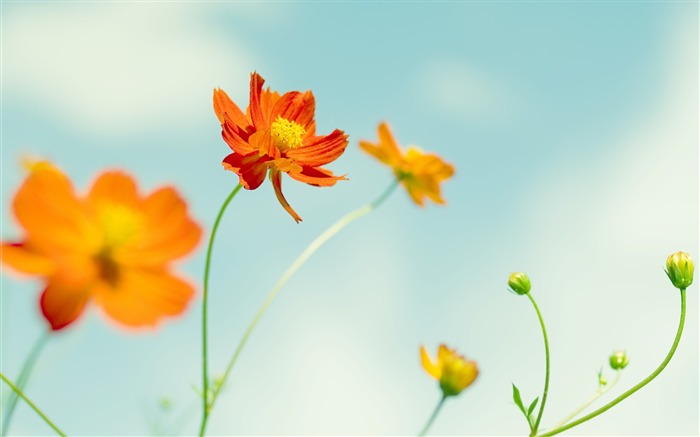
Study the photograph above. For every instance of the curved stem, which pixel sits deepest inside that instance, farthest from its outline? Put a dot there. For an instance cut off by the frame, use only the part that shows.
(22, 380)
(432, 417)
(600, 392)
(631, 391)
(546, 377)
(205, 374)
(301, 259)
(31, 404)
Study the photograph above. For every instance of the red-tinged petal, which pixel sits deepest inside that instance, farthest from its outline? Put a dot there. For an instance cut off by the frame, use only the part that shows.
(114, 187)
(62, 304)
(258, 117)
(23, 259)
(142, 297)
(236, 138)
(276, 179)
(224, 108)
(297, 107)
(316, 176)
(251, 169)
(320, 150)
(47, 208)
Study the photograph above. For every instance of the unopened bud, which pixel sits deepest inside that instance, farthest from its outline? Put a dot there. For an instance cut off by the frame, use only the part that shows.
(679, 268)
(519, 283)
(619, 360)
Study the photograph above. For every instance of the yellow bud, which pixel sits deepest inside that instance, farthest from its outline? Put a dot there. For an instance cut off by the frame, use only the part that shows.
(679, 269)
(519, 283)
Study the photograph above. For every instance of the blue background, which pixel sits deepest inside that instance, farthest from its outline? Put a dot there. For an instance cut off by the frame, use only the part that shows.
(573, 127)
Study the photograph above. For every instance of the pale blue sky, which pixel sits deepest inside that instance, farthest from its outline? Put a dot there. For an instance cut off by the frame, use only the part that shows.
(573, 127)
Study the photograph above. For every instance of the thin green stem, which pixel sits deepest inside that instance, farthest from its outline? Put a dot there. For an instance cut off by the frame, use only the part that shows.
(22, 379)
(301, 259)
(546, 377)
(205, 374)
(600, 392)
(432, 417)
(31, 404)
(634, 389)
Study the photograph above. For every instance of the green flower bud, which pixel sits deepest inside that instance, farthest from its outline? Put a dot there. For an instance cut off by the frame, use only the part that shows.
(602, 380)
(519, 283)
(679, 268)
(619, 360)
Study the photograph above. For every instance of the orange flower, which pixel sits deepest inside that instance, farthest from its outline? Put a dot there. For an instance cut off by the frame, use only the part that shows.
(452, 370)
(112, 246)
(279, 134)
(420, 172)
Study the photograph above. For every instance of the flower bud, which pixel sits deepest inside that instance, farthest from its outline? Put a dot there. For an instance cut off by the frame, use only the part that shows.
(619, 360)
(679, 269)
(519, 283)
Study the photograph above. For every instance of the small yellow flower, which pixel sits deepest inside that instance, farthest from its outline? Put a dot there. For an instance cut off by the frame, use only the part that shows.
(452, 370)
(680, 268)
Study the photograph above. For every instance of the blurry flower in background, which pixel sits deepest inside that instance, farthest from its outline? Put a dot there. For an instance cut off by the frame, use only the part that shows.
(112, 246)
(277, 133)
(453, 371)
(421, 173)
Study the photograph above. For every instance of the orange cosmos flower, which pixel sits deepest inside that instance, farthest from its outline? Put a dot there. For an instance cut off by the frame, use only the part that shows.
(112, 246)
(420, 172)
(277, 133)
(453, 371)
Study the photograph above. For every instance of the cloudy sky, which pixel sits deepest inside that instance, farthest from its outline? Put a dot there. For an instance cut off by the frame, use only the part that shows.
(573, 128)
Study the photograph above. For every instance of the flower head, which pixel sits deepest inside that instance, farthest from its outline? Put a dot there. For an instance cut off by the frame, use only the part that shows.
(420, 173)
(277, 133)
(519, 283)
(679, 269)
(112, 246)
(453, 371)
(619, 360)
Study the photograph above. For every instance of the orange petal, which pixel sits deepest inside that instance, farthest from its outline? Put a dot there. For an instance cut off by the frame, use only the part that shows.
(387, 150)
(24, 260)
(236, 138)
(267, 100)
(297, 107)
(114, 187)
(224, 107)
(258, 117)
(62, 304)
(316, 176)
(432, 369)
(320, 150)
(276, 179)
(142, 297)
(251, 169)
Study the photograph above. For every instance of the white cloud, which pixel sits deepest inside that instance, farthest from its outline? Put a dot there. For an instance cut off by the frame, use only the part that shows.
(116, 68)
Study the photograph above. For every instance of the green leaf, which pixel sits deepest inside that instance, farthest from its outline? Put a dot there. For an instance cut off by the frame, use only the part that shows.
(532, 406)
(518, 401)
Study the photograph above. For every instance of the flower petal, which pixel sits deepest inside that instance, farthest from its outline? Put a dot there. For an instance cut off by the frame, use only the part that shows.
(258, 117)
(432, 369)
(63, 303)
(297, 107)
(24, 260)
(276, 179)
(387, 150)
(321, 150)
(114, 187)
(234, 137)
(251, 169)
(225, 108)
(142, 297)
(316, 176)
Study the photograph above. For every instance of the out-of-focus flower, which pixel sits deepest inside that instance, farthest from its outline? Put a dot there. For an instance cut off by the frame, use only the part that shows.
(680, 268)
(619, 360)
(277, 133)
(112, 246)
(420, 173)
(519, 283)
(453, 371)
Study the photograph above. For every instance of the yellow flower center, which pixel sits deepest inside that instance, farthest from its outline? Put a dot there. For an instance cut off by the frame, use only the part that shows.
(119, 224)
(287, 134)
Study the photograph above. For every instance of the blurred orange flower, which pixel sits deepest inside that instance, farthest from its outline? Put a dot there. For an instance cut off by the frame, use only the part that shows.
(420, 172)
(112, 246)
(453, 371)
(277, 133)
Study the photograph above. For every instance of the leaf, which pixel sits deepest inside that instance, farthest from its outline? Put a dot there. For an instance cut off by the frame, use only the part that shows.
(532, 406)
(518, 401)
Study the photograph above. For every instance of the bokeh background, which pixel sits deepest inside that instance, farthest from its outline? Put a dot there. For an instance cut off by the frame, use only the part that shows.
(573, 127)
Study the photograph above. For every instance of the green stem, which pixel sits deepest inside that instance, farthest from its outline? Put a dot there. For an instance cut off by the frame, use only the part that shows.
(24, 374)
(31, 404)
(205, 374)
(546, 377)
(631, 391)
(432, 417)
(303, 257)
(600, 392)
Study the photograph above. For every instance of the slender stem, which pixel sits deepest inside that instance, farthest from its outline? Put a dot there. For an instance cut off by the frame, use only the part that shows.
(631, 391)
(207, 265)
(546, 377)
(31, 404)
(22, 379)
(432, 417)
(301, 259)
(600, 392)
